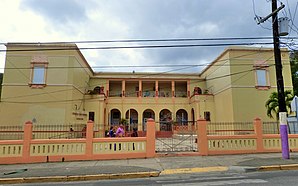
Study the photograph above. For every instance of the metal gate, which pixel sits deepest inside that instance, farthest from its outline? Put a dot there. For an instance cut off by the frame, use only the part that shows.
(176, 138)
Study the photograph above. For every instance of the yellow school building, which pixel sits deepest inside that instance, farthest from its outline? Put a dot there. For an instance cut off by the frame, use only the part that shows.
(54, 84)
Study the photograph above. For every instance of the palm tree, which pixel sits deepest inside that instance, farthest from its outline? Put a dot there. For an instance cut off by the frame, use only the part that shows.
(272, 103)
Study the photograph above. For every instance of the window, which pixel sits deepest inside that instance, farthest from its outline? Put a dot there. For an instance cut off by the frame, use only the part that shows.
(262, 76)
(91, 116)
(38, 76)
(39, 65)
(207, 116)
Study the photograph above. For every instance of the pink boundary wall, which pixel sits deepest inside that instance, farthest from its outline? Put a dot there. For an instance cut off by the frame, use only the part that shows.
(27, 141)
(258, 136)
(203, 144)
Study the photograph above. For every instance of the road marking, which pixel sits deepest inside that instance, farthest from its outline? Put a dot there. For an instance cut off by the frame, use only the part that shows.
(193, 170)
(225, 182)
(201, 179)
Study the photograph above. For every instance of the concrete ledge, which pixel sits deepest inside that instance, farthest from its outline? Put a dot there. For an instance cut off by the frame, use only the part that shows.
(194, 170)
(269, 168)
(278, 167)
(289, 167)
(78, 178)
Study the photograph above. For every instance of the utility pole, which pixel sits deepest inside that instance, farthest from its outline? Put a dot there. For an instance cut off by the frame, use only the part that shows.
(280, 85)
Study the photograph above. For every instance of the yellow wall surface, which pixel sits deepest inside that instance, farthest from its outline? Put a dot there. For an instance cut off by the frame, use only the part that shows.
(55, 102)
(248, 101)
(230, 81)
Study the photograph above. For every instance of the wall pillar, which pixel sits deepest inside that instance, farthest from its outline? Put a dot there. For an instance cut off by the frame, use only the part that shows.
(173, 89)
(188, 88)
(156, 89)
(107, 88)
(150, 138)
(123, 88)
(140, 121)
(89, 139)
(258, 128)
(140, 89)
(27, 141)
(202, 139)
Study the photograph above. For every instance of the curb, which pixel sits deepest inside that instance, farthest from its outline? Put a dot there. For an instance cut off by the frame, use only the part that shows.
(278, 167)
(194, 170)
(79, 178)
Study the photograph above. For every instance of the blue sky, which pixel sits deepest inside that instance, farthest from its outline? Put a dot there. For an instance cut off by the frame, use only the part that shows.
(75, 20)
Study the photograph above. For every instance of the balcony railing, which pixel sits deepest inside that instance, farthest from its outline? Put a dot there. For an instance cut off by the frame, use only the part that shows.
(149, 93)
(181, 94)
(115, 94)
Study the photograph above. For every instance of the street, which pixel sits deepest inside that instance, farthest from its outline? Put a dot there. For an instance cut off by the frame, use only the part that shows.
(288, 178)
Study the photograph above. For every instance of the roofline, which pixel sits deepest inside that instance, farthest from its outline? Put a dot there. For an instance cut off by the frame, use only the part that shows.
(71, 46)
(238, 48)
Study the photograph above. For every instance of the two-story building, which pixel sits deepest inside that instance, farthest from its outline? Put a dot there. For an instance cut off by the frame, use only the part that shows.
(53, 83)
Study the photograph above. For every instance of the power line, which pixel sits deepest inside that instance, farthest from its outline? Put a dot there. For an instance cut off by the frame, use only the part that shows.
(69, 48)
(127, 93)
(149, 75)
(154, 40)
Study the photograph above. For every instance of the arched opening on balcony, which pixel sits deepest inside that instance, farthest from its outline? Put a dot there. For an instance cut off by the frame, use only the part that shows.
(181, 117)
(131, 117)
(148, 113)
(165, 120)
(197, 91)
(115, 117)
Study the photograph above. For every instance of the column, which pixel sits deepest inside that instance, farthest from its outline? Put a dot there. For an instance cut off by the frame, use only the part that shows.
(173, 88)
(258, 128)
(27, 141)
(202, 139)
(89, 139)
(123, 88)
(150, 139)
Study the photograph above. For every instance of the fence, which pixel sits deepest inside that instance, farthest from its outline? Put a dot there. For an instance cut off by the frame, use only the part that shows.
(270, 127)
(62, 131)
(212, 140)
(29, 150)
(230, 128)
(11, 132)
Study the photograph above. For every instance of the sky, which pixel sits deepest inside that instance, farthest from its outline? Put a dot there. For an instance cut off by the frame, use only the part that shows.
(98, 20)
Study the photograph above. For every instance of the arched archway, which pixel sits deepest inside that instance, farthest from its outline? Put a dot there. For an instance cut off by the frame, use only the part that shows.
(181, 117)
(131, 117)
(115, 117)
(148, 113)
(197, 91)
(165, 120)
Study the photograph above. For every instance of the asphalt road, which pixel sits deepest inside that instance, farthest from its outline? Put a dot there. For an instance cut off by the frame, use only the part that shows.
(288, 178)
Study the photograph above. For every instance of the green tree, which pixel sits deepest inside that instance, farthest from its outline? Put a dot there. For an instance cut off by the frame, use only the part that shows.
(294, 70)
(272, 103)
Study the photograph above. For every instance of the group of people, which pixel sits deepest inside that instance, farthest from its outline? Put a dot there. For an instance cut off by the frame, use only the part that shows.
(119, 131)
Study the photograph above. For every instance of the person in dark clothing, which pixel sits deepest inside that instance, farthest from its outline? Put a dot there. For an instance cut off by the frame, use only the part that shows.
(135, 132)
(112, 132)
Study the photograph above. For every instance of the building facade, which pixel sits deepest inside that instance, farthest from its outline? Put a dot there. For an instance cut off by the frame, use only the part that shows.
(53, 83)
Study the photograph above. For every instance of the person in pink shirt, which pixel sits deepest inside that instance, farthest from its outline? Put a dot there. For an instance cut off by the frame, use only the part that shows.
(120, 131)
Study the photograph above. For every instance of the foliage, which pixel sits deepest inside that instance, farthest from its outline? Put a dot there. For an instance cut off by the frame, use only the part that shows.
(294, 70)
(272, 103)
(124, 121)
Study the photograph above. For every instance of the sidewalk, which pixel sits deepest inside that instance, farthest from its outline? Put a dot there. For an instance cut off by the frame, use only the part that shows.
(131, 168)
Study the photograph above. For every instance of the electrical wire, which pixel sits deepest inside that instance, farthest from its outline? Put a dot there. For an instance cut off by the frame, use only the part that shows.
(149, 75)
(148, 40)
(138, 47)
